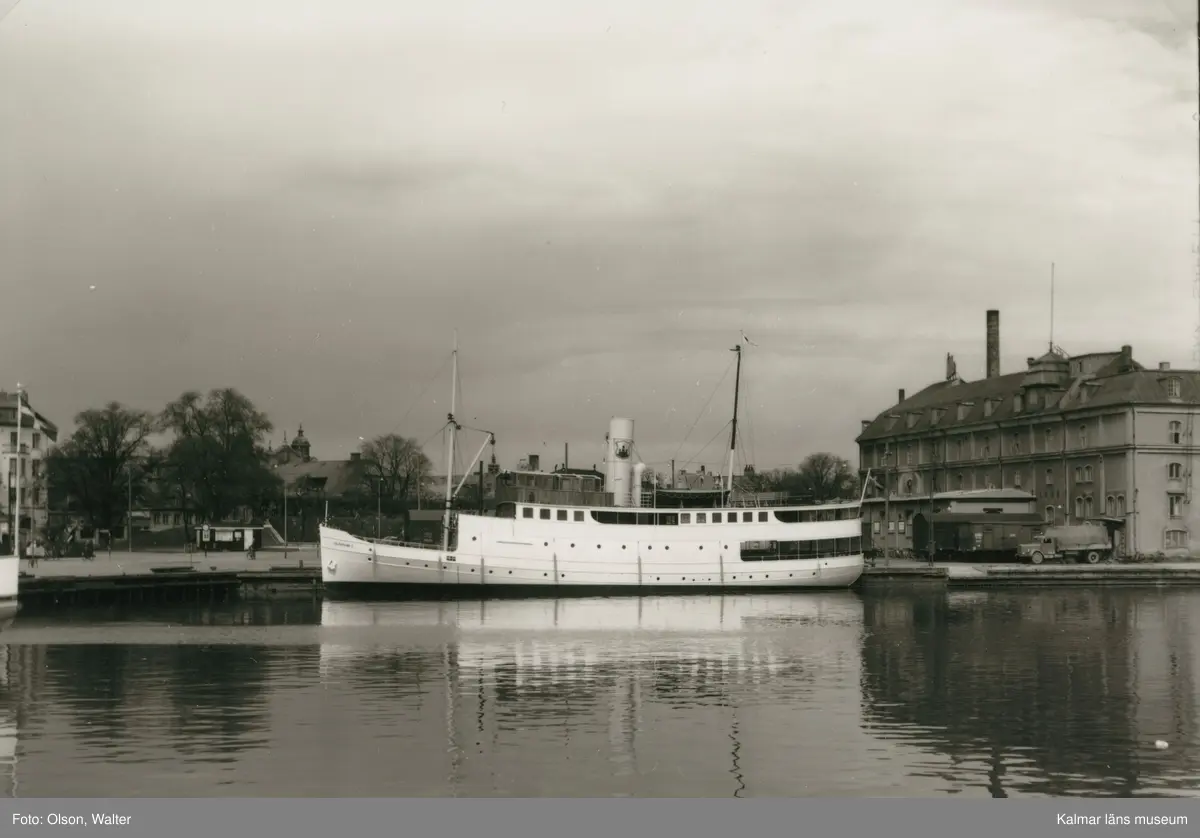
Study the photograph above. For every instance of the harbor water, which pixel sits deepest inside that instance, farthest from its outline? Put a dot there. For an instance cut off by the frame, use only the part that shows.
(1068, 692)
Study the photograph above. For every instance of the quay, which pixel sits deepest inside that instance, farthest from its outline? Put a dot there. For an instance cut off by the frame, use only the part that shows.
(964, 575)
(160, 578)
(169, 577)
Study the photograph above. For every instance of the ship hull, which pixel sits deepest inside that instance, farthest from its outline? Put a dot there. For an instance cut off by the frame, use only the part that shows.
(497, 557)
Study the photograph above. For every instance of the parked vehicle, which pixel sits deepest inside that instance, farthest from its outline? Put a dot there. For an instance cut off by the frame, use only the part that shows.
(974, 536)
(1087, 542)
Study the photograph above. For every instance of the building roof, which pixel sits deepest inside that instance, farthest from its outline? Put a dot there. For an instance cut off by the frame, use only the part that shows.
(986, 494)
(44, 425)
(1058, 382)
(333, 477)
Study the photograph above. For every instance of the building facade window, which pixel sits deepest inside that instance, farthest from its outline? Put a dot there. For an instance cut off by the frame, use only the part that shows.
(1174, 471)
(1175, 433)
(985, 448)
(1048, 436)
(1120, 504)
(958, 449)
(1049, 514)
(1016, 443)
(1110, 505)
(1087, 507)
(1174, 388)
(1049, 477)
(908, 454)
(1083, 436)
(1175, 539)
(1017, 480)
(958, 481)
(1087, 474)
(37, 441)
(1174, 506)
(1078, 507)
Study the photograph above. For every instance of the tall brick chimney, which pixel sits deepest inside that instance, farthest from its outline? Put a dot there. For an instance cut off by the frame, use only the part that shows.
(993, 343)
(900, 395)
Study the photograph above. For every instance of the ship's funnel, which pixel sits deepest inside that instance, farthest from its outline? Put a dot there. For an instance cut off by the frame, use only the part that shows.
(620, 460)
(635, 486)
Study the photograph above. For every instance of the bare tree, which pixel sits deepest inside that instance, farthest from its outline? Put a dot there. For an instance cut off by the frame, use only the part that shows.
(218, 457)
(105, 458)
(821, 476)
(393, 466)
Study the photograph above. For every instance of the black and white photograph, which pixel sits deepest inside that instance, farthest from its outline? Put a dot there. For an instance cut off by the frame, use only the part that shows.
(628, 400)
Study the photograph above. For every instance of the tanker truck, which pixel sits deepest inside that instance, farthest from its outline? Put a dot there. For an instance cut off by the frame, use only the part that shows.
(1087, 542)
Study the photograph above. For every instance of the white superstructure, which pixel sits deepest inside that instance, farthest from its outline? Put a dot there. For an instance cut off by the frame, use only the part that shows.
(625, 545)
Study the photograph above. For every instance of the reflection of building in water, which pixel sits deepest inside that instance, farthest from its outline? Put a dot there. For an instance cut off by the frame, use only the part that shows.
(1163, 666)
(1042, 679)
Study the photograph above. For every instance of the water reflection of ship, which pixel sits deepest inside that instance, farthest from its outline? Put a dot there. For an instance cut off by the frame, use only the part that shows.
(594, 662)
(549, 643)
(1053, 681)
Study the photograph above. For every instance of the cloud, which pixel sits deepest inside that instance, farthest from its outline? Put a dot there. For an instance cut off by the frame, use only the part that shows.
(306, 204)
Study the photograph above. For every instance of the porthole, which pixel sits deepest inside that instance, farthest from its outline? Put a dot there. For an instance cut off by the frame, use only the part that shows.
(563, 575)
(491, 572)
(473, 538)
(545, 543)
(545, 574)
(622, 546)
(572, 543)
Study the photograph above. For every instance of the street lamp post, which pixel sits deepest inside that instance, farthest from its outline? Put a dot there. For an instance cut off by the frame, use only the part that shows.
(129, 531)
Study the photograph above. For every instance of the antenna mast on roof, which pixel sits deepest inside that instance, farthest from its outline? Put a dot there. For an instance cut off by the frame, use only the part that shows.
(1051, 306)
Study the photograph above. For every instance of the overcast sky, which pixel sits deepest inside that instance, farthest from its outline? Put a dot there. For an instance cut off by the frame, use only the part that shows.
(304, 198)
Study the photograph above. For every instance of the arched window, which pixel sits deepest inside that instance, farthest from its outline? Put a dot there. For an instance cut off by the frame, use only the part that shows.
(1078, 507)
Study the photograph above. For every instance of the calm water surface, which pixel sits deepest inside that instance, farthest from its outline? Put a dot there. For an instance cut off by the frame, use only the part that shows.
(835, 694)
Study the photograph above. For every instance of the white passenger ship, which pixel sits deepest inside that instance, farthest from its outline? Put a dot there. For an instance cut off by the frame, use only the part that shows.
(608, 542)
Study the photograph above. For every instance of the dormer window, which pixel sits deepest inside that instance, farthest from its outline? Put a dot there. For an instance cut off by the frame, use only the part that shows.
(1032, 398)
(1174, 388)
(963, 409)
(988, 407)
(891, 421)
(1018, 402)
(935, 415)
(912, 419)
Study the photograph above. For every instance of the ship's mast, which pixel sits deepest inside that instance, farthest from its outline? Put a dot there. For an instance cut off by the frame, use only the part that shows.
(453, 426)
(737, 380)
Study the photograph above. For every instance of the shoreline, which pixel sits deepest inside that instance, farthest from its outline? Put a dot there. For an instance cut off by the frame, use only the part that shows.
(156, 578)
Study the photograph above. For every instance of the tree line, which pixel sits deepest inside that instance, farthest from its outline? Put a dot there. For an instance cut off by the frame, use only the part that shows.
(216, 461)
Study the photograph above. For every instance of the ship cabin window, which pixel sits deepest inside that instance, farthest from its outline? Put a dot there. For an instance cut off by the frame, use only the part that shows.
(526, 512)
(762, 515)
(544, 514)
(747, 517)
(506, 510)
(701, 517)
(605, 516)
(562, 514)
(716, 517)
(777, 551)
(685, 517)
(578, 514)
(795, 516)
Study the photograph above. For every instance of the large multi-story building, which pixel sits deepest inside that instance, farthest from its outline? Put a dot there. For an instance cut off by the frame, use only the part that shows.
(1091, 436)
(26, 457)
